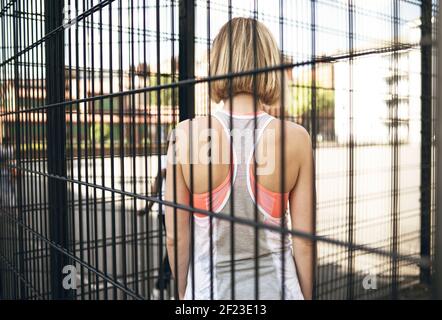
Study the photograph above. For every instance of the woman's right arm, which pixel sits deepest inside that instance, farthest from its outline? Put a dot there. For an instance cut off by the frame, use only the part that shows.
(301, 212)
(177, 221)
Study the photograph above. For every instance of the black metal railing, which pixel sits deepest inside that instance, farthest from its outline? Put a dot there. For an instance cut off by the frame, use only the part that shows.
(91, 90)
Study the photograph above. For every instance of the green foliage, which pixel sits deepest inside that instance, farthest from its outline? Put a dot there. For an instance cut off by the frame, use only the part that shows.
(164, 94)
(300, 101)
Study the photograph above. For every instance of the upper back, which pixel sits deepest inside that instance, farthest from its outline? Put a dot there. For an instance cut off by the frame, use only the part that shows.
(206, 150)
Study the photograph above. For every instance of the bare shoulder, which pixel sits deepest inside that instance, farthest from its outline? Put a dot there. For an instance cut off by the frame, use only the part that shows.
(182, 125)
(297, 137)
(187, 132)
(196, 123)
(179, 142)
(296, 130)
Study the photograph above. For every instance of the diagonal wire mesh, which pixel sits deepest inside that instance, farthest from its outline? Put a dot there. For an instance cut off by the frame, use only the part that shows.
(91, 90)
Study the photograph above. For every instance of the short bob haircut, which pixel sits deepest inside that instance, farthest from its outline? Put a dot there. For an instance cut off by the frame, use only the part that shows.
(241, 45)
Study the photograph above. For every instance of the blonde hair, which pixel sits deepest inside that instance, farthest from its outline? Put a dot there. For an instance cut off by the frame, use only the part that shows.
(268, 84)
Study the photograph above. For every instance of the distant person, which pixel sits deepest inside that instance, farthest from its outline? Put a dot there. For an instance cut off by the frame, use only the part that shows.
(159, 185)
(284, 184)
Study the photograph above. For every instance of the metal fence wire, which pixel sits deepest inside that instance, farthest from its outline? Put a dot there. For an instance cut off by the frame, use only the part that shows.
(91, 90)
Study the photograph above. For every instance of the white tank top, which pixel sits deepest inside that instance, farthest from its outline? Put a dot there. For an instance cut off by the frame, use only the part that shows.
(208, 275)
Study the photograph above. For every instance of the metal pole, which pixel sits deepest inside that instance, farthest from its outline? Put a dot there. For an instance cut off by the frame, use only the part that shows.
(56, 144)
(186, 62)
(351, 159)
(18, 156)
(437, 281)
(426, 136)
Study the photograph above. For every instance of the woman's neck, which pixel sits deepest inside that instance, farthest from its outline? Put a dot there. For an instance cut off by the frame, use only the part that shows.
(242, 104)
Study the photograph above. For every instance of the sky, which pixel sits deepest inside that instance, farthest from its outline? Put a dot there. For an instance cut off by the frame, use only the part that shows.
(372, 26)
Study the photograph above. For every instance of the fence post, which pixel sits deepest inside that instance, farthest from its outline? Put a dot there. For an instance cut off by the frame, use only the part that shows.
(186, 62)
(56, 143)
(351, 159)
(437, 281)
(426, 136)
(18, 153)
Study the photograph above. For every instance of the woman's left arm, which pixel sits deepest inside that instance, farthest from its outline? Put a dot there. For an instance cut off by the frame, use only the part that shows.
(177, 222)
